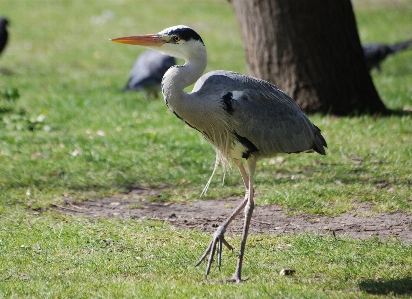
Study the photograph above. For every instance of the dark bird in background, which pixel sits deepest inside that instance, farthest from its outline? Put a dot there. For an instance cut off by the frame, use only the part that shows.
(375, 53)
(4, 35)
(241, 116)
(148, 71)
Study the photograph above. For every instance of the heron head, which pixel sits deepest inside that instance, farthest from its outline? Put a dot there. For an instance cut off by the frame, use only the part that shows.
(177, 41)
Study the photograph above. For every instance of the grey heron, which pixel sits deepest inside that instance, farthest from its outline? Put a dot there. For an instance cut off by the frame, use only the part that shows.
(375, 53)
(148, 71)
(241, 116)
(3, 33)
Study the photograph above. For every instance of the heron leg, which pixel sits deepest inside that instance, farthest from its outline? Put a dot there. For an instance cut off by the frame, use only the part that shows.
(242, 173)
(218, 237)
(237, 276)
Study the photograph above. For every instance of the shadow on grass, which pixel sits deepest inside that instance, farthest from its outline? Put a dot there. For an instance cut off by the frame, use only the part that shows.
(399, 112)
(402, 286)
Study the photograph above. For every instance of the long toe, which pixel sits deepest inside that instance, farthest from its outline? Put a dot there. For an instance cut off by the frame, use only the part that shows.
(209, 247)
(211, 256)
(235, 279)
(217, 242)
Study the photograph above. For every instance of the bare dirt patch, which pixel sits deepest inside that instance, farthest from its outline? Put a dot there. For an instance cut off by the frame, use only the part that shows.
(205, 215)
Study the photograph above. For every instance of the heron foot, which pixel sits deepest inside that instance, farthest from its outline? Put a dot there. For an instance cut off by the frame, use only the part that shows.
(217, 241)
(235, 279)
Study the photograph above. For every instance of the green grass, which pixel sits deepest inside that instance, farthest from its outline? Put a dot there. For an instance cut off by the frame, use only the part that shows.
(67, 131)
(67, 257)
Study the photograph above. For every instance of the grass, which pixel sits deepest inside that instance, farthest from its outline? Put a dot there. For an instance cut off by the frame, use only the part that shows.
(59, 256)
(67, 131)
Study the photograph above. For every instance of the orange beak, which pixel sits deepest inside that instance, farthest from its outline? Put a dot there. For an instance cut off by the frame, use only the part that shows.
(148, 40)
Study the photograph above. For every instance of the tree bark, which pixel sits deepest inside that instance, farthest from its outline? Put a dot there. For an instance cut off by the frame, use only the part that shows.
(311, 50)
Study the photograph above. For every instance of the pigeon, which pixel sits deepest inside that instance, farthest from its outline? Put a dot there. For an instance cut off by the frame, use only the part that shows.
(148, 71)
(375, 53)
(4, 35)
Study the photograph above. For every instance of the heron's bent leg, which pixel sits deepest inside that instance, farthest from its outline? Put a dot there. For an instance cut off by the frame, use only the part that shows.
(218, 236)
(237, 276)
(242, 172)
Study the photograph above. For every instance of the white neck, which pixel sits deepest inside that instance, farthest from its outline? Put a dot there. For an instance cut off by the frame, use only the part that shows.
(193, 107)
(179, 77)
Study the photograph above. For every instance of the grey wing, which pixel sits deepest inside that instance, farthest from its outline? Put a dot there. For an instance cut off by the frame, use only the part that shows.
(273, 122)
(160, 66)
(149, 69)
(262, 116)
(139, 73)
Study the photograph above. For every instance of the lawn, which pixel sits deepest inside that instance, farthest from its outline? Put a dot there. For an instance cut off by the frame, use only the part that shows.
(66, 131)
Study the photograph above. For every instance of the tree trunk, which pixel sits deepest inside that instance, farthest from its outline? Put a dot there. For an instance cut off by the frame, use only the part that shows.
(311, 50)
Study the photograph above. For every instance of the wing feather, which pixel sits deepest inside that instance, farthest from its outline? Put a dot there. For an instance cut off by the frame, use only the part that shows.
(262, 113)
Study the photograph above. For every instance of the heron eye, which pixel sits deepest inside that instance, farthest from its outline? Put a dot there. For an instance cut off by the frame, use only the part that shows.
(176, 38)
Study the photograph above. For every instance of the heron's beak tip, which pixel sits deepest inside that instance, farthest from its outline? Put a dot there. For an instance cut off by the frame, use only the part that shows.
(141, 40)
(120, 40)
